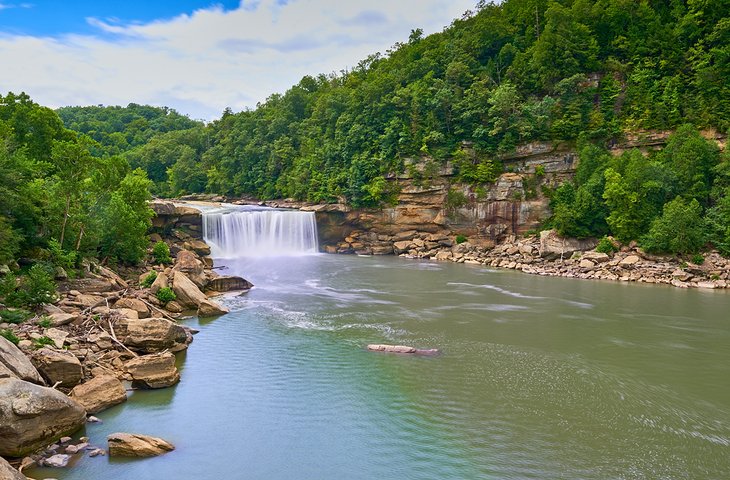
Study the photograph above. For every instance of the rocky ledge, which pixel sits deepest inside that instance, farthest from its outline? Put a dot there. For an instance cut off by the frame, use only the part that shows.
(548, 254)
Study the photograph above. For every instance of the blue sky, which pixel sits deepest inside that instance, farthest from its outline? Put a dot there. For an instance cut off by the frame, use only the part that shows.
(198, 57)
(57, 17)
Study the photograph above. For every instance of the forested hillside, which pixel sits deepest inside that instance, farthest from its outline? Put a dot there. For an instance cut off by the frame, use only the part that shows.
(61, 196)
(578, 71)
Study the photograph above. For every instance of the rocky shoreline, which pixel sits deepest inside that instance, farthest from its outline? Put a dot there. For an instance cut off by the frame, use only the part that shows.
(546, 254)
(105, 336)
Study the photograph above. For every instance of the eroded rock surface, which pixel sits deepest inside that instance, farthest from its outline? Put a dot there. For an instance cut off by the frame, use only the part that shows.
(136, 445)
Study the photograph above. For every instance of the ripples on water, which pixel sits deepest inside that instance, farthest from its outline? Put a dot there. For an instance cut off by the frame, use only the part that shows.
(539, 378)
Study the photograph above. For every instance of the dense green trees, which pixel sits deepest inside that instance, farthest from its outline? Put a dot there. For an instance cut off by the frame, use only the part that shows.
(673, 200)
(61, 195)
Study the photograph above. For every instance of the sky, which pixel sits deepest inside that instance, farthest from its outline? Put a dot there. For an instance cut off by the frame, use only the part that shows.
(196, 56)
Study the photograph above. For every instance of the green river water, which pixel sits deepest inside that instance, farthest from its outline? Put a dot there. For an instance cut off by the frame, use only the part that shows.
(539, 378)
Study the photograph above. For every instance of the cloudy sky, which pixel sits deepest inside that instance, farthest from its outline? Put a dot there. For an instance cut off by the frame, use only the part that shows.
(196, 56)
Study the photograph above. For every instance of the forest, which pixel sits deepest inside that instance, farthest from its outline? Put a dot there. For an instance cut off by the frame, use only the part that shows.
(75, 181)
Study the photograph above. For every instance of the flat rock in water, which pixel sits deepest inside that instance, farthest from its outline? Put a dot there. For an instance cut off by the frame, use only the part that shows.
(136, 445)
(59, 460)
(401, 349)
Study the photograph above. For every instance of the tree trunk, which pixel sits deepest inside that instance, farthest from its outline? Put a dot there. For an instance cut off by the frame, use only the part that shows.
(65, 219)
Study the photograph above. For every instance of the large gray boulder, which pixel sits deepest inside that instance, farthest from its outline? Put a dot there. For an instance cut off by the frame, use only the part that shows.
(136, 445)
(99, 393)
(58, 366)
(554, 246)
(32, 416)
(7, 472)
(150, 335)
(153, 371)
(14, 363)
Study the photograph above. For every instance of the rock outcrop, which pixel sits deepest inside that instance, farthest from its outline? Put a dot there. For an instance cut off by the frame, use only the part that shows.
(99, 393)
(136, 445)
(188, 294)
(153, 371)
(32, 416)
(14, 363)
(58, 367)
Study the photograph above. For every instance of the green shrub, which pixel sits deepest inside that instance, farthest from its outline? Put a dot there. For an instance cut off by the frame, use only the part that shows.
(149, 279)
(42, 342)
(61, 257)
(9, 335)
(36, 288)
(44, 322)
(540, 171)
(680, 229)
(606, 245)
(461, 239)
(698, 259)
(161, 252)
(455, 199)
(14, 316)
(166, 294)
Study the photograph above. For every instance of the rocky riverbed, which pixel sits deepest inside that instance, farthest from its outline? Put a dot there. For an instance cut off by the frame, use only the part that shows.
(106, 335)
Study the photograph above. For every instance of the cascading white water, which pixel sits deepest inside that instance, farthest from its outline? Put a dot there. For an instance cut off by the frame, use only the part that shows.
(257, 232)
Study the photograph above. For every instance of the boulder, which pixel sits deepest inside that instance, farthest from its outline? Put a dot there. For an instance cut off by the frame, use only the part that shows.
(160, 282)
(188, 294)
(58, 367)
(7, 472)
(198, 246)
(14, 363)
(402, 246)
(99, 393)
(587, 264)
(228, 283)
(136, 445)
(32, 416)
(133, 304)
(596, 257)
(58, 336)
(149, 335)
(174, 307)
(153, 371)
(554, 246)
(59, 460)
(209, 308)
(162, 208)
(629, 261)
(91, 284)
(188, 263)
(58, 319)
(88, 300)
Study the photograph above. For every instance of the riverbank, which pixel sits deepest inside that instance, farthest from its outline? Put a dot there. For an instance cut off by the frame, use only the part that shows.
(108, 333)
(548, 254)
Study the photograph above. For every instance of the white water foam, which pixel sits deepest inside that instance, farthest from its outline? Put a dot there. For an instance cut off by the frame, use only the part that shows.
(259, 232)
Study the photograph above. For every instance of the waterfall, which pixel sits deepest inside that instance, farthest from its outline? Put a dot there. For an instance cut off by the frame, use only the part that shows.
(235, 232)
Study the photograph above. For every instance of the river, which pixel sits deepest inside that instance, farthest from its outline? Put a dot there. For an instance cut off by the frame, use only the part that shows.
(538, 378)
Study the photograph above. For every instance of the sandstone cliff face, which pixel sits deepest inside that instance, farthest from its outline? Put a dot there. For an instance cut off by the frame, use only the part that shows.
(513, 204)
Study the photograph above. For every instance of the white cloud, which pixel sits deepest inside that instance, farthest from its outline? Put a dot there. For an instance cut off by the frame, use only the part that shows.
(211, 59)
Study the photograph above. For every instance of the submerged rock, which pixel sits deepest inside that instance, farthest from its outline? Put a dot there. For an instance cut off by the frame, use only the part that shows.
(136, 445)
(32, 416)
